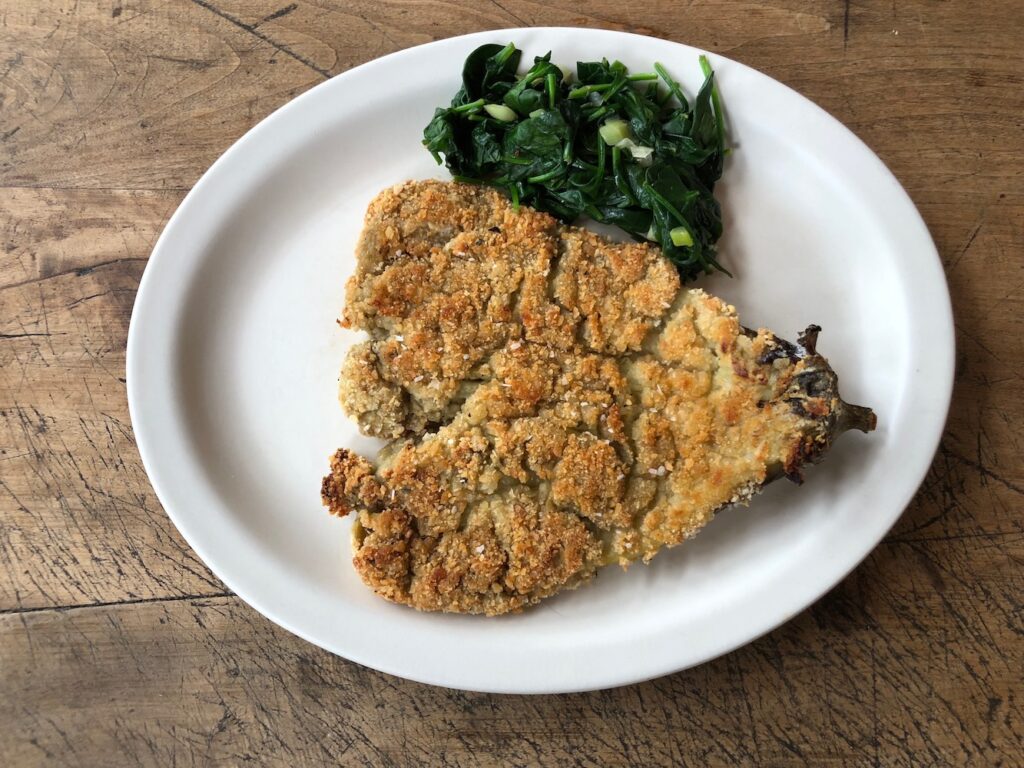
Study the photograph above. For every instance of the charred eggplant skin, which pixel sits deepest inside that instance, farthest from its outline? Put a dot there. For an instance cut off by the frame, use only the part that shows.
(813, 394)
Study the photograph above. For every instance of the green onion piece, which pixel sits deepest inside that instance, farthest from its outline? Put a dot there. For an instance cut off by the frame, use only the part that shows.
(500, 112)
(640, 153)
(643, 155)
(552, 83)
(681, 236)
(614, 131)
(469, 107)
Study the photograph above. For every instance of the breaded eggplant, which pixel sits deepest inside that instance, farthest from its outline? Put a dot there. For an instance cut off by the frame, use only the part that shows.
(555, 402)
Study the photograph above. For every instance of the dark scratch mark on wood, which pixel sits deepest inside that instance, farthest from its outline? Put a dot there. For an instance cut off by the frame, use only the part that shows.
(952, 537)
(253, 30)
(190, 62)
(985, 471)
(966, 247)
(115, 603)
(278, 14)
(101, 294)
(959, 327)
(86, 188)
(77, 271)
(520, 19)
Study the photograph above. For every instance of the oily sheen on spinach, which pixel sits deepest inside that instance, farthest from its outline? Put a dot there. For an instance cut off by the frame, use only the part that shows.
(625, 149)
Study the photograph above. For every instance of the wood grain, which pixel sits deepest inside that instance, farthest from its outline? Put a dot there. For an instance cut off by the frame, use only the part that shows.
(117, 645)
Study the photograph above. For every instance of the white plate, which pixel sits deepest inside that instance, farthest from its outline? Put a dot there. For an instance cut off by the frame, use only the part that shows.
(233, 356)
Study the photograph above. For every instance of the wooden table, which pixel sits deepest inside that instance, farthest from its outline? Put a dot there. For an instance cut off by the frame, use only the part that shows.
(118, 646)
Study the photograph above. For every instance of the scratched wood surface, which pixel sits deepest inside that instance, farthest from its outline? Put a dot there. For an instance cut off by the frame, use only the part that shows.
(119, 647)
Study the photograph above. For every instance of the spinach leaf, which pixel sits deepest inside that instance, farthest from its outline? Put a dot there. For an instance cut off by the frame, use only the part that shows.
(486, 148)
(489, 72)
(439, 137)
(593, 72)
(534, 146)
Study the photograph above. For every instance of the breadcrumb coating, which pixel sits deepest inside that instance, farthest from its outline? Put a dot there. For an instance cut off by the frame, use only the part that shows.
(556, 402)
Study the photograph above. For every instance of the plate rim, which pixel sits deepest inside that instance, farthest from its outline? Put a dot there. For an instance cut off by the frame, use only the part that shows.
(942, 316)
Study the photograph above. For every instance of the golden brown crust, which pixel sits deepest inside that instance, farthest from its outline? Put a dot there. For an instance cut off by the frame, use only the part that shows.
(563, 403)
(351, 483)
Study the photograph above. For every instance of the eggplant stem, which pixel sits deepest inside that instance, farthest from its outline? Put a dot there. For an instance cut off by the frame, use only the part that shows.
(809, 339)
(855, 417)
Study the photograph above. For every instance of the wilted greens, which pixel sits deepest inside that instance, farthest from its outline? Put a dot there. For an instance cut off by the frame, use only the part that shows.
(624, 149)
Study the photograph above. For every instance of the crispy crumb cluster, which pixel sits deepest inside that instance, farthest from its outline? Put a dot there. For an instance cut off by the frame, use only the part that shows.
(556, 403)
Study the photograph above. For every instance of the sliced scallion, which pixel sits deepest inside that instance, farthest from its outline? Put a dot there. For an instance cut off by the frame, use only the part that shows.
(614, 131)
(500, 112)
(681, 236)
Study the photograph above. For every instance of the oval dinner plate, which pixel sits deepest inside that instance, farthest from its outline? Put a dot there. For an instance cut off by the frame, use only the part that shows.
(233, 356)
